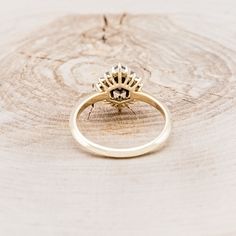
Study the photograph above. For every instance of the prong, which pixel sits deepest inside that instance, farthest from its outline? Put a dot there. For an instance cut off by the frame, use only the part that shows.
(109, 78)
(131, 81)
(100, 87)
(130, 78)
(138, 80)
(138, 87)
(119, 74)
(104, 82)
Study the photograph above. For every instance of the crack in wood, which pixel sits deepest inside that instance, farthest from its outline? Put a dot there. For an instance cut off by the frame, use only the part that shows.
(122, 18)
(42, 57)
(105, 20)
(104, 28)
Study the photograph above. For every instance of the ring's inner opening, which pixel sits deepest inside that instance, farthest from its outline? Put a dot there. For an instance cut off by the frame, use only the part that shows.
(133, 126)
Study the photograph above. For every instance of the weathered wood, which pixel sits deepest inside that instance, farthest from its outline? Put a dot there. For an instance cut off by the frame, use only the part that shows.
(48, 186)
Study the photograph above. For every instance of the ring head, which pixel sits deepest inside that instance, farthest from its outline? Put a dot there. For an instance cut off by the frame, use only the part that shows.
(119, 83)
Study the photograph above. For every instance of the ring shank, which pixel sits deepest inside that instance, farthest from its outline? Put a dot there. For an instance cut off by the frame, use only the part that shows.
(155, 144)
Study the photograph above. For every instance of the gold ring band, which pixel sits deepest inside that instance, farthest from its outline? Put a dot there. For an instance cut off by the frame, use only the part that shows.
(119, 88)
(155, 144)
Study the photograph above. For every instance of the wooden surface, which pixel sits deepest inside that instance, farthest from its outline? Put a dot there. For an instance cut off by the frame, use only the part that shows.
(48, 186)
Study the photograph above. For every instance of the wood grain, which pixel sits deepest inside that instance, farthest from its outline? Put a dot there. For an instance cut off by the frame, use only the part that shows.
(50, 187)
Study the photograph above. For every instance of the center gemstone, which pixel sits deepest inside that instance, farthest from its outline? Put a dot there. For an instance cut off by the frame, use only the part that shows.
(120, 94)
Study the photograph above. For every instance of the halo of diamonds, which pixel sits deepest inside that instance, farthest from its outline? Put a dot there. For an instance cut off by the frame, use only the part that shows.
(120, 83)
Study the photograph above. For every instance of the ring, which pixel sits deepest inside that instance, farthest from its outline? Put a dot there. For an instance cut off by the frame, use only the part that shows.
(119, 87)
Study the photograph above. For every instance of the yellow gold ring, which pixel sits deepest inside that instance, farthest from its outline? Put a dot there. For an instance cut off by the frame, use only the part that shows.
(119, 87)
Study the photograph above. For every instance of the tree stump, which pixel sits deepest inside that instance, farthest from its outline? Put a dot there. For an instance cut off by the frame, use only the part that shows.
(49, 186)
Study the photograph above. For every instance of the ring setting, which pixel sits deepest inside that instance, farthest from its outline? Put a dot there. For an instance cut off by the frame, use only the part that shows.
(120, 87)
(119, 84)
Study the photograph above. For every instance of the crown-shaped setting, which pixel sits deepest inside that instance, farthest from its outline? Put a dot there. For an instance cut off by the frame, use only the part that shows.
(119, 83)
